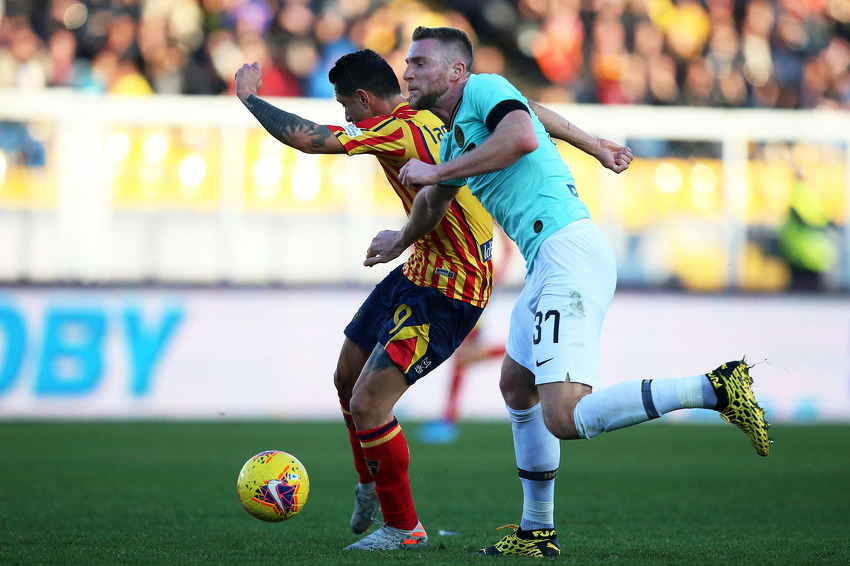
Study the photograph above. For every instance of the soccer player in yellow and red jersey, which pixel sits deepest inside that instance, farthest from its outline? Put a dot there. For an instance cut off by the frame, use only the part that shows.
(417, 315)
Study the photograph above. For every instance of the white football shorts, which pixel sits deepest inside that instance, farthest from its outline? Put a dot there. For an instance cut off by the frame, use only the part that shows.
(556, 322)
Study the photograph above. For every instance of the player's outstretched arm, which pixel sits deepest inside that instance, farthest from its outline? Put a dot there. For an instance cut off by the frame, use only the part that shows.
(429, 207)
(288, 128)
(610, 154)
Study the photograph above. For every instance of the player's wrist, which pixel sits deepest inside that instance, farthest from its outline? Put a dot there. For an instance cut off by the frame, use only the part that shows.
(438, 171)
(245, 97)
(400, 243)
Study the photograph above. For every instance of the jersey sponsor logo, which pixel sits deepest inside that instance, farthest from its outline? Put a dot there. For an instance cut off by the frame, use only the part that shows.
(353, 131)
(486, 250)
(423, 365)
(538, 363)
(445, 273)
(459, 137)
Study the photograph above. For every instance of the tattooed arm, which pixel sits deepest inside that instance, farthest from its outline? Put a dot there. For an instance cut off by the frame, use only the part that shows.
(293, 130)
(289, 128)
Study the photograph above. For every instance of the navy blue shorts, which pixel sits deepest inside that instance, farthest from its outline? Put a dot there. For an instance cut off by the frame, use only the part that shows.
(419, 327)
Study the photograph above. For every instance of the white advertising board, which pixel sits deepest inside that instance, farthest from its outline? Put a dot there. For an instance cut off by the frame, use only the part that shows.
(271, 353)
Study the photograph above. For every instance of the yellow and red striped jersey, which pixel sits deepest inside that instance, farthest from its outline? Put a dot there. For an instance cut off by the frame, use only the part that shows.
(455, 257)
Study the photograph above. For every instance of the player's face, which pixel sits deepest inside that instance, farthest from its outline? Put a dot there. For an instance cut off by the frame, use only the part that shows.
(354, 108)
(426, 74)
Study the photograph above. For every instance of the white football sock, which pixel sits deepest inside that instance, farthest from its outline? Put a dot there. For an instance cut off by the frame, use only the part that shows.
(683, 393)
(538, 455)
(633, 402)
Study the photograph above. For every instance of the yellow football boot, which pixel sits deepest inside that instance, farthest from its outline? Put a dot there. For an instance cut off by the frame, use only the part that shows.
(737, 403)
(540, 542)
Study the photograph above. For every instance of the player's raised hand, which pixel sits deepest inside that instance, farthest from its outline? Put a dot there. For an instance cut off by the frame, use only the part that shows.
(416, 174)
(384, 248)
(614, 156)
(249, 79)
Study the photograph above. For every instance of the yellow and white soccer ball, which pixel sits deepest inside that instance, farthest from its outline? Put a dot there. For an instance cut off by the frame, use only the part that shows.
(273, 486)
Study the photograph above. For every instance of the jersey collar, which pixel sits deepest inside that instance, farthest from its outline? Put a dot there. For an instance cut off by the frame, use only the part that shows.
(454, 112)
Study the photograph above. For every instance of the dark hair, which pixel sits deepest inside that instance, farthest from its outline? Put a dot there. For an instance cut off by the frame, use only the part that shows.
(451, 37)
(365, 70)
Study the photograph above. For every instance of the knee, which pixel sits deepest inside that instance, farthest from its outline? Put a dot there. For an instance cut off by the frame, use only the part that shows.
(559, 402)
(561, 424)
(344, 383)
(348, 368)
(512, 394)
(562, 428)
(518, 396)
(359, 408)
(517, 387)
(369, 408)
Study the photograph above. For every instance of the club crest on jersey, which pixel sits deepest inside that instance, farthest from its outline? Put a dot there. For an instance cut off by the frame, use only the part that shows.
(459, 137)
(373, 466)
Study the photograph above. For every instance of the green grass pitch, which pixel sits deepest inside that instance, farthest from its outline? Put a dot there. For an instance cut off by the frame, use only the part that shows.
(164, 493)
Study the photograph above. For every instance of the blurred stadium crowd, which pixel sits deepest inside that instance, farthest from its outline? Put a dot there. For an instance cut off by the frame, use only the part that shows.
(721, 53)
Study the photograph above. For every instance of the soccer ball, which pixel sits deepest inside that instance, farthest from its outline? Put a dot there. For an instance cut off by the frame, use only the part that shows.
(273, 486)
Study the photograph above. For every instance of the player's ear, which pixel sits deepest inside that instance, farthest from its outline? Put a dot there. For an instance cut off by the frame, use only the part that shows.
(363, 97)
(459, 69)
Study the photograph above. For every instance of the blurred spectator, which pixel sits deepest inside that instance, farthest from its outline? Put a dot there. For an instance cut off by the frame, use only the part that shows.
(805, 239)
(663, 86)
(730, 90)
(724, 53)
(250, 17)
(609, 58)
(23, 60)
(20, 146)
(277, 81)
(210, 68)
(687, 27)
(724, 47)
(127, 79)
(333, 43)
(699, 81)
(63, 67)
(558, 47)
